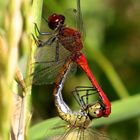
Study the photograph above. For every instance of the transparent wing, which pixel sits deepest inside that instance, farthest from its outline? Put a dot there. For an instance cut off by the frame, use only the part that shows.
(98, 135)
(74, 19)
(73, 133)
(48, 53)
(45, 74)
(71, 18)
(80, 24)
(71, 21)
(46, 65)
(84, 134)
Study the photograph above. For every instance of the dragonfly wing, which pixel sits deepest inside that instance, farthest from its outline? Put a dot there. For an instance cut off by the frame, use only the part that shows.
(48, 53)
(55, 130)
(79, 21)
(74, 20)
(46, 66)
(70, 15)
(98, 135)
(46, 74)
(81, 134)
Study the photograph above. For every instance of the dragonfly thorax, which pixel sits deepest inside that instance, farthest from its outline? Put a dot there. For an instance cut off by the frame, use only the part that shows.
(70, 39)
(79, 119)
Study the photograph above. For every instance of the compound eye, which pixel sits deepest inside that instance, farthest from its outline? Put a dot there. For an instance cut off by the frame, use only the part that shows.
(61, 19)
(99, 113)
(55, 20)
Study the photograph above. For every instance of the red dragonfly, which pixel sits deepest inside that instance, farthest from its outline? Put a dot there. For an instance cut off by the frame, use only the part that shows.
(60, 44)
(68, 44)
(79, 121)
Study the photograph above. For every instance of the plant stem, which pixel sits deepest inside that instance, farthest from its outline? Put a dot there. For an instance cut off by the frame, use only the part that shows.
(19, 18)
(32, 15)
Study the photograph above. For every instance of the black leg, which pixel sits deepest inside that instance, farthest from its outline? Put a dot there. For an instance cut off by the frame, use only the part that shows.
(38, 42)
(94, 91)
(45, 19)
(41, 33)
(87, 97)
(47, 42)
(77, 96)
(81, 99)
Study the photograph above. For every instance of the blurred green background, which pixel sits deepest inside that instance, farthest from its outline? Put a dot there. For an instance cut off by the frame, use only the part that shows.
(112, 47)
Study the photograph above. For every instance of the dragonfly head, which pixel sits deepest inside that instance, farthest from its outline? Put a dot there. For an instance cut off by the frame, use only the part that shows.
(55, 20)
(95, 110)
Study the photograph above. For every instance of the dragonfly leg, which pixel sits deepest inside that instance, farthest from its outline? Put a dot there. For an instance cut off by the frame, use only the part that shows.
(77, 96)
(41, 33)
(87, 96)
(45, 19)
(41, 43)
(88, 93)
(85, 89)
(47, 42)
(38, 42)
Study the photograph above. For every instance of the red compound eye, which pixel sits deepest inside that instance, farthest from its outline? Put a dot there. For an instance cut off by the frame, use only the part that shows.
(55, 20)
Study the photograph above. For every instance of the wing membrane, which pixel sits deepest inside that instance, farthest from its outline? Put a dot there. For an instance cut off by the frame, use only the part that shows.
(73, 133)
(46, 66)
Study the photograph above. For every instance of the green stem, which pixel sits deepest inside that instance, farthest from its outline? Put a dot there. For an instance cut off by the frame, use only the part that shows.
(35, 12)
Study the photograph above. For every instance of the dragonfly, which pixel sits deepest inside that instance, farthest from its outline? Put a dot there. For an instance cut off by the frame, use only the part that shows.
(79, 121)
(68, 45)
(61, 43)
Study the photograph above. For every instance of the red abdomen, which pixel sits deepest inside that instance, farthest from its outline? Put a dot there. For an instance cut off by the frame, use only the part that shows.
(70, 39)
